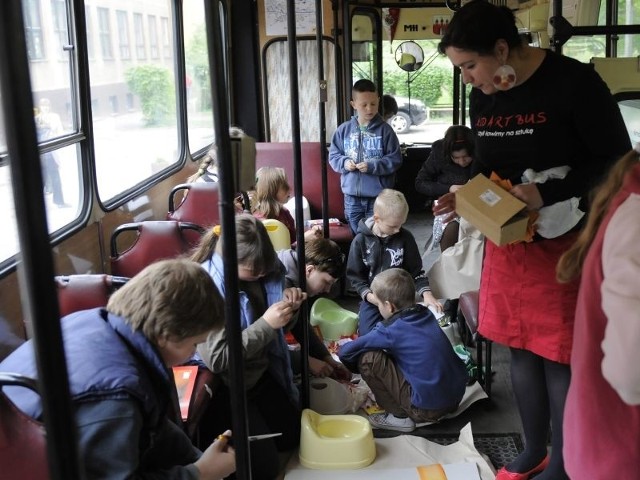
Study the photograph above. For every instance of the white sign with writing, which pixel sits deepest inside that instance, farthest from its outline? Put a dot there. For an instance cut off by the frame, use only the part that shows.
(276, 17)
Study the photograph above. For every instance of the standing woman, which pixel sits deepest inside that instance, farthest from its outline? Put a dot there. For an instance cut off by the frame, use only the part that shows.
(603, 404)
(532, 109)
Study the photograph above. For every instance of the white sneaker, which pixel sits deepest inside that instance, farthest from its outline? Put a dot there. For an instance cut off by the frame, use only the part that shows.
(387, 421)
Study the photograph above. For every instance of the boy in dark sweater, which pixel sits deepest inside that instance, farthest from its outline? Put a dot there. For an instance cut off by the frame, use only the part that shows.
(406, 360)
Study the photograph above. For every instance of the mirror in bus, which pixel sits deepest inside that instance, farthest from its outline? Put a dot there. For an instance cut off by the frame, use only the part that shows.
(409, 56)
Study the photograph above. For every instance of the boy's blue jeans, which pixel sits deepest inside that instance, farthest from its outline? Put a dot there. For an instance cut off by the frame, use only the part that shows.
(356, 209)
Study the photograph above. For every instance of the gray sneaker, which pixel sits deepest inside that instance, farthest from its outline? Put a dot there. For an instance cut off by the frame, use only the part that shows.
(387, 421)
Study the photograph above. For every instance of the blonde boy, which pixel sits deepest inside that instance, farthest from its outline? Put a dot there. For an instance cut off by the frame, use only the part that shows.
(383, 243)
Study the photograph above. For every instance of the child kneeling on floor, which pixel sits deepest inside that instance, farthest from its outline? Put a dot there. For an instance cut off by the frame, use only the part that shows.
(406, 360)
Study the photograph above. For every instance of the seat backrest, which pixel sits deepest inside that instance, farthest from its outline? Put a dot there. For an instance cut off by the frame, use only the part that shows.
(154, 240)
(280, 154)
(23, 450)
(82, 292)
(469, 308)
(199, 204)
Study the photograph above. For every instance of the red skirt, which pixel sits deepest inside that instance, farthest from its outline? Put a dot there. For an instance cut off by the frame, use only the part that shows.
(522, 305)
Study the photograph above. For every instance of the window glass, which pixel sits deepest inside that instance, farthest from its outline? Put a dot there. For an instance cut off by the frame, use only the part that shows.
(51, 70)
(424, 96)
(138, 26)
(153, 37)
(9, 245)
(123, 34)
(104, 31)
(197, 81)
(33, 29)
(133, 108)
(166, 46)
(90, 28)
(60, 27)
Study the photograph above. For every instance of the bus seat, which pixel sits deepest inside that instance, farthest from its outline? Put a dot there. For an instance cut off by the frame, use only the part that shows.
(278, 234)
(154, 240)
(199, 204)
(82, 292)
(280, 154)
(23, 451)
(468, 309)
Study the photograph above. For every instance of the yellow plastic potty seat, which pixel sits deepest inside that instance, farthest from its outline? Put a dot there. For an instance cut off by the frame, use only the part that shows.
(333, 320)
(335, 441)
(278, 234)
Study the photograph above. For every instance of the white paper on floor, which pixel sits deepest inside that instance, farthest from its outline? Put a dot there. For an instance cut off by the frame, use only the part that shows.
(398, 458)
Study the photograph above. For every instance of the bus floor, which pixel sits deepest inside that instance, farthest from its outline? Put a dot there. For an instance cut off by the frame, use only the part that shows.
(490, 418)
(497, 416)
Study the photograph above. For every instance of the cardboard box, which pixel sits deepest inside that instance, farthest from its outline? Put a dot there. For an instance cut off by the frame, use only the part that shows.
(500, 216)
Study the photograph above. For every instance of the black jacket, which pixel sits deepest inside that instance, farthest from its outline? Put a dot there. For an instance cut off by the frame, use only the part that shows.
(370, 255)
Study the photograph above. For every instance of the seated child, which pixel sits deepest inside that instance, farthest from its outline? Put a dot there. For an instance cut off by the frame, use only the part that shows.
(324, 265)
(272, 192)
(208, 166)
(406, 360)
(382, 243)
(266, 307)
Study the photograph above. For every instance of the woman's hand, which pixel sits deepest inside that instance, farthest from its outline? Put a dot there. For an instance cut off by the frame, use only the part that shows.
(219, 460)
(350, 165)
(529, 194)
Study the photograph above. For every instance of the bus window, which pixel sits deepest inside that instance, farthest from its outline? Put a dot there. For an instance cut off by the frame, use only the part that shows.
(133, 94)
(51, 66)
(424, 95)
(197, 81)
(276, 71)
(9, 245)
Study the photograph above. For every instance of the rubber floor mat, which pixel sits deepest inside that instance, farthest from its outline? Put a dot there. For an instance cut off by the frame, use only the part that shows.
(501, 448)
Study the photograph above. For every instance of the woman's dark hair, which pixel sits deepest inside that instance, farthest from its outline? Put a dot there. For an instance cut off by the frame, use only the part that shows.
(458, 137)
(478, 25)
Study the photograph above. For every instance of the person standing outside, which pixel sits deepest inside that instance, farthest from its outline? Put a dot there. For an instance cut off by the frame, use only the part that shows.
(365, 151)
(48, 126)
(603, 403)
(532, 110)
